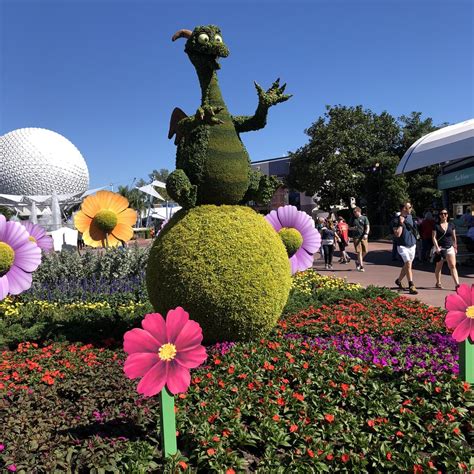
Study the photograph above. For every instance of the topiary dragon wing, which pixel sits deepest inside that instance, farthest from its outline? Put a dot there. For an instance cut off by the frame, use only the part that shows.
(176, 116)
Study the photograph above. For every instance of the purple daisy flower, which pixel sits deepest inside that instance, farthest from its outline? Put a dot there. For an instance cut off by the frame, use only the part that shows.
(39, 236)
(18, 258)
(299, 236)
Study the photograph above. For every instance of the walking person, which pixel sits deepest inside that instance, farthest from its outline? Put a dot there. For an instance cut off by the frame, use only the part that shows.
(445, 247)
(426, 231)
(404, 231)
(342, 230)
(328, 237)
(360, 232)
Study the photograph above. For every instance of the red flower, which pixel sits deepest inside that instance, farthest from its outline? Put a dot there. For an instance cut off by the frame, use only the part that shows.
(371, 423)
(399, 434)
(293, 428)
(310, 453)
(417, 468)
(456, 431)
(211, 451)
(345, 457)
(183, 465)
(329, 457)
(329, 418)
(466, 386)
(438, 389)
(298, 396)
(389, 456)
(230, 471)
(276, 418)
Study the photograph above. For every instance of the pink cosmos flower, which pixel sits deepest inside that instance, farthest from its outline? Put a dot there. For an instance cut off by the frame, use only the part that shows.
(301, 239)
(163, 352)
(19, 257)
(460, 315)
(38, 235)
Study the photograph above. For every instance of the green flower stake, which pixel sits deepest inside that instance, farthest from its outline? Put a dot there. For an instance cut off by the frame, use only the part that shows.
(460, 317)
(162, 353)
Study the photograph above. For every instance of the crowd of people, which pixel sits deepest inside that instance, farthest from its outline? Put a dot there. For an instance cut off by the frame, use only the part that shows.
(430, 239)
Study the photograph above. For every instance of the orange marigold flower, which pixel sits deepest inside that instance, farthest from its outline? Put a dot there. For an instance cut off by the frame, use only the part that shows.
(466, 386)
(105, 219)
(276, 417)
(183, 465)
(329, 418)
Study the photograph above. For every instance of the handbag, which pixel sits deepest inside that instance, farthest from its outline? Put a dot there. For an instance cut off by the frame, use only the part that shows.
(433, 254)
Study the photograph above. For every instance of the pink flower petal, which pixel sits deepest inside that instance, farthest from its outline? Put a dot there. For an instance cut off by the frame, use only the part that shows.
(272, 218)
(454, 318)
(4, 287)
(466, 293)
(154, 380)
(175, 321)
(178, 379)
(3, 227)
(189, 337)
(287, 215)
(192, 358)
(156, 326)
(311, 240)
(18, 280)
(461, 333)
(303, 259)
(45, 243)
(28, 256)
(455, 303)
(294, 264)
(139, 340)
(15, 235)
(139, 363)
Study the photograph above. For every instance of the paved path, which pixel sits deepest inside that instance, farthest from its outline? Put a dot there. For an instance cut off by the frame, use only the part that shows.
(381, 271)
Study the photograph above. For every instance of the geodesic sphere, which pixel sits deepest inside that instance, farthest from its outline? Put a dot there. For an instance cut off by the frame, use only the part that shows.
(226, 266)
(35, 161)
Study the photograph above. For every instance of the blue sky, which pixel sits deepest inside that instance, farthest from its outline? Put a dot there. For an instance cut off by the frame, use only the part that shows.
(106, 75)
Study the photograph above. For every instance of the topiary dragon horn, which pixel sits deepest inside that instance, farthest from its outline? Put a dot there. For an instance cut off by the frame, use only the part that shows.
(182, 34)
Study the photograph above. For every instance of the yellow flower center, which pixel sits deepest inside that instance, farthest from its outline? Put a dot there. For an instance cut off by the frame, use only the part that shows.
(292, 240)
(105, 220)
(7, 257)
(32, 239)
(167, 352)
(470, 312)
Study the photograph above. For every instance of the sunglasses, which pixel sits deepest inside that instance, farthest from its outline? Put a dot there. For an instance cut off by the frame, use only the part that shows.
(443, 213)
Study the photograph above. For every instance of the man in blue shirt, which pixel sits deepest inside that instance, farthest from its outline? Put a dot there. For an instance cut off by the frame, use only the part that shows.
(404, 231)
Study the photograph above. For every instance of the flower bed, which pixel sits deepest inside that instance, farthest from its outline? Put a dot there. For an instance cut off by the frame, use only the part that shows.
(363, 386)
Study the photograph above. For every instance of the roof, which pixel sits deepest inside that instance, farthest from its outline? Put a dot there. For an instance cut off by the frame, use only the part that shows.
(455, 142)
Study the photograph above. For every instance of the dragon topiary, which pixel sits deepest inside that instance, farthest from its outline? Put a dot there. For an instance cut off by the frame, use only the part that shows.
(212, 164)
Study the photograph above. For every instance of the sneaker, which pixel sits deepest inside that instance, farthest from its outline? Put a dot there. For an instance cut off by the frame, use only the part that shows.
(361, 269)
(412, 290)
(357, 267)
(400, 285)
(326, 267)
(330, 267)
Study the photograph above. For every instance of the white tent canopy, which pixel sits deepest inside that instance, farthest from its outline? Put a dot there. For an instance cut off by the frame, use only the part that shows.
(149, 189)
(451, 143)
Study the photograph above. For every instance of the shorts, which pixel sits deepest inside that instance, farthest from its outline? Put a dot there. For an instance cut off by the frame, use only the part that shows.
(407, 253)
(363, 243)
(437, 257)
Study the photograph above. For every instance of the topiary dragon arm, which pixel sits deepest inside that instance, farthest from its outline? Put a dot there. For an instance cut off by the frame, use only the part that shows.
(266, 99)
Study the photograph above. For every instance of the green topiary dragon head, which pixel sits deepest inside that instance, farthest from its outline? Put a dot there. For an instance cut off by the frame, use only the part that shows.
(204, 46)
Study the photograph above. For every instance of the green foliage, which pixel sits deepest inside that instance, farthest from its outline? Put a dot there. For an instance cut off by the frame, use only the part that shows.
(79, 321)
(226, 266)
(180, 189)
(354, 152)
(115, 263)
(292, 240)
(6, 212)
(106, 220)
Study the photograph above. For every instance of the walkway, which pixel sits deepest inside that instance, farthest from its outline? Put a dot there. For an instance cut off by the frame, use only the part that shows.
(381, 271)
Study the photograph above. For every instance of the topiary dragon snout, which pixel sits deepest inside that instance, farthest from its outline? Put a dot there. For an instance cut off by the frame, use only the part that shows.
(212, 164)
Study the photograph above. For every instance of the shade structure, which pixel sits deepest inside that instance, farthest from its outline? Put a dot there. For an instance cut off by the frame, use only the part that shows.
(455, 142)
(150, 190)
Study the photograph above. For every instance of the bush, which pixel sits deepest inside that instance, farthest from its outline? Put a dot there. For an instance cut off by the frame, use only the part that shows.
(226, 266)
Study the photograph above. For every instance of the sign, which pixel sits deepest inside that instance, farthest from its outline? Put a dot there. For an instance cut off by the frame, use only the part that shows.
(456, 179)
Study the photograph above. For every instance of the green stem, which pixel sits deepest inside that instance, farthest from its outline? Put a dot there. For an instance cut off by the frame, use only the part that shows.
(466, 360)
(167, 423)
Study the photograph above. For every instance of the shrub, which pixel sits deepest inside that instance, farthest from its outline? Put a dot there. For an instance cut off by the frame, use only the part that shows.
(226, 266)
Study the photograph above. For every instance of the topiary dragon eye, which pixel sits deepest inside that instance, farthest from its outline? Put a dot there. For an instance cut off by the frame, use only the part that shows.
(203, 38)
(218, 39)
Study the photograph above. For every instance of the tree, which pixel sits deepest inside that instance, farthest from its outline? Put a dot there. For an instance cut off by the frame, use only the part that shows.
(422, 183)
(352, 152)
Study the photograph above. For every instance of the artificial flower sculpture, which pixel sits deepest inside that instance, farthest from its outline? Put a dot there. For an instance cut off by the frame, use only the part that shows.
(460, 317)
(162, 353)
(298, 234)
(105, 220)
(19, 257)
(39, 236)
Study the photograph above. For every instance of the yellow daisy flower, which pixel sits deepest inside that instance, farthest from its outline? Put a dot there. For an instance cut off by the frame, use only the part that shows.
(105, 219)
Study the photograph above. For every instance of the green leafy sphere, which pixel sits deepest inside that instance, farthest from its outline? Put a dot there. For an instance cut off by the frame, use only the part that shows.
(226, 266)
(7, 257)
(292, 240)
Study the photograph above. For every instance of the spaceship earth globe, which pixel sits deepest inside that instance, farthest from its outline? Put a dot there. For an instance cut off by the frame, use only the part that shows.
(36, 161)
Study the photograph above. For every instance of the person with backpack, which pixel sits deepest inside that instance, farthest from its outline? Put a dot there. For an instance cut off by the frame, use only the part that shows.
(342, 230)
(405, 234)
(360, 233)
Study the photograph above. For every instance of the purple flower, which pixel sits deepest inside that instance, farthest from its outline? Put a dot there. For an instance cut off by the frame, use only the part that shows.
(299, 235)
(19, 257)
(39, 236)
(2, 447)
(11, 468)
